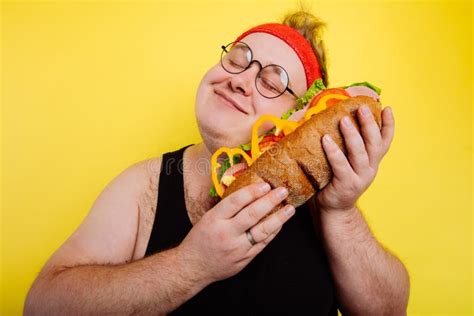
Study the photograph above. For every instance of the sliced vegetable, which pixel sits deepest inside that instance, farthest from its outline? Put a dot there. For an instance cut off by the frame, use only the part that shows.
(298, 115)
(273, 138)
(316, 99)
(288, 114)
(365, 84)
(322, 104)
(317, 86)
(215, 166)
(268, 141)
(213, 192)
(331, 91)
(280, 125)
(246, 147)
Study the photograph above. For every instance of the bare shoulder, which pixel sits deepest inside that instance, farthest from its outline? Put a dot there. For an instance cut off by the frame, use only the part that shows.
(113, 230)
(143, 171)
(142, 180)
(138, 186)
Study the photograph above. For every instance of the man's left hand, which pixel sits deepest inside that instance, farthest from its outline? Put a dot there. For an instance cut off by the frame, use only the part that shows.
(353, 175)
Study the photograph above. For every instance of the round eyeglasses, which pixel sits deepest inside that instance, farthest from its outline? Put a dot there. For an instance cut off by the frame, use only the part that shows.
(271, 81)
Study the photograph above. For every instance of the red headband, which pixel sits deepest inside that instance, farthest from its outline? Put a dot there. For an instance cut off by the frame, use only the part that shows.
(296, 41)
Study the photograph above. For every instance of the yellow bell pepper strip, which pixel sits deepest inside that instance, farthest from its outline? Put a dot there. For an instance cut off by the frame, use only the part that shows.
(281, 125)
(322, 105)
(325, 92)
(231, 152)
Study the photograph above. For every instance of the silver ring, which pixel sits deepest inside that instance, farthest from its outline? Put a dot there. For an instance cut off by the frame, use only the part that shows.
(250, 238)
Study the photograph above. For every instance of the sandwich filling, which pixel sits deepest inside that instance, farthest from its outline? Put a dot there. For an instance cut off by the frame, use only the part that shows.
(316, 99)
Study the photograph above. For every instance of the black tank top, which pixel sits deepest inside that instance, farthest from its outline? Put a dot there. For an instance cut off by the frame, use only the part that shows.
(289, 277)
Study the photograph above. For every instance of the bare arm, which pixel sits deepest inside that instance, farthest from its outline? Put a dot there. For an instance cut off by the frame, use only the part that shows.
(368, 279)
(154, 285)
(91, 273)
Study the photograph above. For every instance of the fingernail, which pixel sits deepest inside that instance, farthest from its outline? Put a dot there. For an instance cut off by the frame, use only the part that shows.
(365, 111)
(347, 122)
(289, 210)
(282, 192)
(328, 139)
(264, 187)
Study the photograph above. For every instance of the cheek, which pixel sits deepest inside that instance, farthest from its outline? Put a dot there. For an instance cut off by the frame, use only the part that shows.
(218, 124)
(276, 107)
(215, 74)
(205, 88)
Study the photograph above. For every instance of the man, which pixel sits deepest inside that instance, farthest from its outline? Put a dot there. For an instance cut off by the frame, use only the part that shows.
(154, 242)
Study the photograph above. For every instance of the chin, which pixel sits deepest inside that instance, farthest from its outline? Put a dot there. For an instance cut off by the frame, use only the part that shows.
(218, 134)
(219, 127)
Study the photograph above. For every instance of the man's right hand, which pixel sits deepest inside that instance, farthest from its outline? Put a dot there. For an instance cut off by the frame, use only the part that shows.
(217, 246)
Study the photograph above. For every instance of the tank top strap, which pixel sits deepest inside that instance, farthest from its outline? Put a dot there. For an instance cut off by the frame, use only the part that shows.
(171, 224)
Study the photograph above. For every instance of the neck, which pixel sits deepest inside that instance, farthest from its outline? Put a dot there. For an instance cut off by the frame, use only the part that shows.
(202, 152)
(198, 171)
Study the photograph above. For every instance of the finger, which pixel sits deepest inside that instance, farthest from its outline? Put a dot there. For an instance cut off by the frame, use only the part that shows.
(388, 127)
(338, 161)
(272, 223)
(371, 133)
(256, 249)
(358, 156)
(239, 199)
(254, 212)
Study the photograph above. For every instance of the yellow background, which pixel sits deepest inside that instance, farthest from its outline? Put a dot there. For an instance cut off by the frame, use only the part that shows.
(90, 88)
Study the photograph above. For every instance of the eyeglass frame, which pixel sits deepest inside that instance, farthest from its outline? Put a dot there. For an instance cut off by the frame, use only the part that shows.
(224, 49)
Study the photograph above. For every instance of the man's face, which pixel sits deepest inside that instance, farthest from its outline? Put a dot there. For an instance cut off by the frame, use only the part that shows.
(222, 124)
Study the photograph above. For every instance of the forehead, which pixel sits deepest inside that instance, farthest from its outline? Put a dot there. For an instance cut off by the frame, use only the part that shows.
(269, 49)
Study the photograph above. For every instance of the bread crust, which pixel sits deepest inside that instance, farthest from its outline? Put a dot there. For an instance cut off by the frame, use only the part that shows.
(298, 162)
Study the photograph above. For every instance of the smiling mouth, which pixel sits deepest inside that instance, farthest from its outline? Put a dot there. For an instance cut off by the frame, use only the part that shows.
(230, 103)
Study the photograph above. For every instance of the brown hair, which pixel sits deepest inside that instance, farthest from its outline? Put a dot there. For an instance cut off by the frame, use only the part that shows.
(311, 27)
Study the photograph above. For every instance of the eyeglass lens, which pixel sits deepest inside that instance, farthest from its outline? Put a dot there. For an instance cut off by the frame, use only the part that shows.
(271, 81)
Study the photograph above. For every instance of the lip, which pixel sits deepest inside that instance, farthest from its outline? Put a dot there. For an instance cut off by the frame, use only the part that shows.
(230, 102)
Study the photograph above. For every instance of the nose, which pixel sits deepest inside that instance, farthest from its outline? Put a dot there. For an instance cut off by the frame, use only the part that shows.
(244, 82)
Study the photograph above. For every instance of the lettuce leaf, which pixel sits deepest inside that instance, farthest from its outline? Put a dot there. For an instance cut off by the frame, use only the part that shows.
(317, 86)
(365, 84)
(213, 192)
(288, 114)
(246, 147)
(225, 164)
